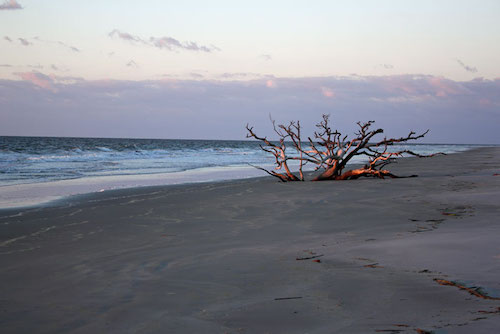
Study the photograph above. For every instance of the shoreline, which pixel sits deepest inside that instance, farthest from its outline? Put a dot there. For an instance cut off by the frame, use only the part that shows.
(38, 192)
(257, 255)
(35, 195)
(48, 193)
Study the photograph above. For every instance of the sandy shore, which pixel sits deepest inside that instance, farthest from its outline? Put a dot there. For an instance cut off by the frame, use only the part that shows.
(259, 256)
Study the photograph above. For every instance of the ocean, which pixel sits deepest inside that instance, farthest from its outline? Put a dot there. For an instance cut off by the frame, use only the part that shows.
(39, 169)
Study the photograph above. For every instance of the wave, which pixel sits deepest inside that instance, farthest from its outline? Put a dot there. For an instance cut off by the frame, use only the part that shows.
(32, 159)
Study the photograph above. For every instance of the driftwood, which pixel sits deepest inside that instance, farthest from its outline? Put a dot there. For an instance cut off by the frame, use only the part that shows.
(291, 133)
(309, 257)
(473, 291)
(287, 298)
(330, 151)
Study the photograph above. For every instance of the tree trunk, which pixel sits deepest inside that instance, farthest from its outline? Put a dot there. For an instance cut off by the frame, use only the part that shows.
(329, 174)
(354, 174)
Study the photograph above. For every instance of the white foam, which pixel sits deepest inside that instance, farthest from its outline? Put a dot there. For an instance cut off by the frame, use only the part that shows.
(22, 195)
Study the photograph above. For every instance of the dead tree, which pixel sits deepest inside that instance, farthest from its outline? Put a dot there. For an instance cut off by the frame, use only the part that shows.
(330, 151)
(291, 132)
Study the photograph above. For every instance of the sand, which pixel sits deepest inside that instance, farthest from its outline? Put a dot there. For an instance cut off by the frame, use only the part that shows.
(260, 256)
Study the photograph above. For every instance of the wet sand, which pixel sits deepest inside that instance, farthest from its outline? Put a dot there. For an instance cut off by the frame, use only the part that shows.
(260, 256)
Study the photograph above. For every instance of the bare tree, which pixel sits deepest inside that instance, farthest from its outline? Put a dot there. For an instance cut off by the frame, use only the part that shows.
(330, 151)
(291, 132)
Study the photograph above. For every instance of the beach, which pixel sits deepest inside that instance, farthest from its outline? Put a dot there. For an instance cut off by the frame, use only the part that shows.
(402, 255)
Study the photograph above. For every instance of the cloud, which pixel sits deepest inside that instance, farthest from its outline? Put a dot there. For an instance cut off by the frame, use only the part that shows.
(455, 111)
(271, 84)
(37, 78)
(7, 38)
(166, 42)
(265, 57)
(24, 42)
(10, 4)
(387, 66)
(5, 65)
(195, 75)
(172, 44)
(444, 87)
(126, 36)
(327, 92)
(422, 85)
(67, 46)
(72, 48)
(466, 67)
(37, 66)
(66, 80)
(242, 75)
(226, 76)
(132, 64)
(51, 83)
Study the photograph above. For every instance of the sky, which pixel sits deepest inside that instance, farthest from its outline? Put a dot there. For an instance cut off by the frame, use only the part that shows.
(203, 70)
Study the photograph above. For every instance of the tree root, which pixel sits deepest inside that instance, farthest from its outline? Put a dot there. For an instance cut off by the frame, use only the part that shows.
(354, 174)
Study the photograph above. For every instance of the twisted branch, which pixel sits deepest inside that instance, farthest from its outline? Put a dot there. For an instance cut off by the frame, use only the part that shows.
(330, 151)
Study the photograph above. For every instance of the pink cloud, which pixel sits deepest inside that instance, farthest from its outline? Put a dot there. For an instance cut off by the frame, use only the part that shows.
(37, 78)
(485, 102)
(10, 4)
(443, 87)
(270, 84)
(399, 83)
(421, 85)
(47, 81)
(327, 92)
(185, 107)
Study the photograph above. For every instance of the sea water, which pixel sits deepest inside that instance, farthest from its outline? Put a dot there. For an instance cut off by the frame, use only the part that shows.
(38, 169)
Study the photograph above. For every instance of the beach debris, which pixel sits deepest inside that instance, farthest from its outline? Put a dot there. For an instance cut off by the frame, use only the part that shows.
(432, 225)
(372, 265)
(331, 151)
(496, 310)
(317, 261)
(423, 331)
(458, 211)
(435, 220)
(475, 291)
(287, 298)
(421, 229)
(418, 330)
(309, 257)
(450, 214)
